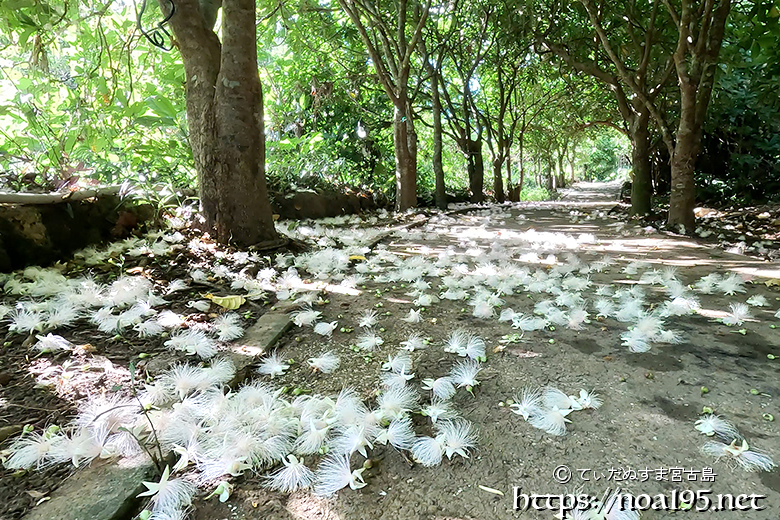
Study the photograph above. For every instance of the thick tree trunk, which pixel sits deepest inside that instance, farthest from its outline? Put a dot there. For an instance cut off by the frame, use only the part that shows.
(476, 170)
(225, 119)
(405, 162)
(641, 184)
(498, 181)
(438, 168)
(243, 213)
(686, 150)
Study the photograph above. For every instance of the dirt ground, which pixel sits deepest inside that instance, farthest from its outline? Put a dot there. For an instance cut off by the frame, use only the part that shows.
(651, 400)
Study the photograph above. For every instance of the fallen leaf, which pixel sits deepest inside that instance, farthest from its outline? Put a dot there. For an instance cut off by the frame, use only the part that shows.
(523, 353)
(491, 490)
(232, 302)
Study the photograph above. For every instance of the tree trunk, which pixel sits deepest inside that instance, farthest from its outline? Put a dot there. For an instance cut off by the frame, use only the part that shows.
(225, 119)
(405, 162)
(561, 173)
(438, 168)
(476, 170)
(521, 162)
(498, 181)
(641, 184)
(686, 149)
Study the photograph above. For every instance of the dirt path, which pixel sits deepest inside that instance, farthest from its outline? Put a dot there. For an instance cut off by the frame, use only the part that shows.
(651, 400)
(641, 440)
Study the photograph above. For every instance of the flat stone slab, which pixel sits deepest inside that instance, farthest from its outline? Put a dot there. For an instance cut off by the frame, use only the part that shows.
(106, 490)
(257, 340)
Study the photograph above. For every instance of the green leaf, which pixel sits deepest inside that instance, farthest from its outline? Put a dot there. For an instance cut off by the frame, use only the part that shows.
(162, 107)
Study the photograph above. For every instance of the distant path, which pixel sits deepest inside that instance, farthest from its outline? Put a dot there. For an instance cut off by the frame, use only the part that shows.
(591, 193)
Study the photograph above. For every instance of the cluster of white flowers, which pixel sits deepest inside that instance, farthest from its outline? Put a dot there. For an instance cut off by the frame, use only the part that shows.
(548, 408)
(731, 445)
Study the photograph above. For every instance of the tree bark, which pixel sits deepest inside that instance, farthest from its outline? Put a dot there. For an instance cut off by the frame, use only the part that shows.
(696, 62)
(686, 149)
(641, 184)
(498, 179)
(225, 119)
(405, 162)
(476, 167)
(438, 168)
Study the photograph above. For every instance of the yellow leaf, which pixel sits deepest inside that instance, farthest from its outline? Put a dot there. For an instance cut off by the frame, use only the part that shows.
(357, 257)
(232, 302)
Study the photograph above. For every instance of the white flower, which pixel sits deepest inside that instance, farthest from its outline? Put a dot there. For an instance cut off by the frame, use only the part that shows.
(475, 348)
(416, 342)
(399, 363)
(325, 329)
(334, 473)
(457, 437)
(741, 453)
(31, 449)
(554, 398)
(588, 400)
(739, 313)
(368, 319)
(711, 425)
(369, 341)
(200, 305)
(354, 439)
(192, 342)
(52, 343)
(325, 363)
(456, 343)
(428, 451)
(413, 316)
(169, 495)
(228, 327)
(23, 321)
(464, 374)
(305, 317)
(528, 404)
(399, 434)
(176, 286)
(273, 366)
(552, 420)
(731, 284)
(439, 409)
(635, 340)
(292, 477)
(441, 387)
(395, 402)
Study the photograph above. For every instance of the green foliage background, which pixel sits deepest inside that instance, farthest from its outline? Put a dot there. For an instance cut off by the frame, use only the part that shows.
(83, 94)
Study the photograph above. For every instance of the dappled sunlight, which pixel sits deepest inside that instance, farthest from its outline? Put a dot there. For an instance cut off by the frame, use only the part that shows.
(772, 274)
(72, 378)
(305, 506)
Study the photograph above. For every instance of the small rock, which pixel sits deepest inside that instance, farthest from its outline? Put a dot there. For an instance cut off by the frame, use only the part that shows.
(4, 378)
(104, 491)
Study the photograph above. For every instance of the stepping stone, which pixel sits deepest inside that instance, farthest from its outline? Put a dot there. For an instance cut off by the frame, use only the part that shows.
(257, 340)
(106, 490)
